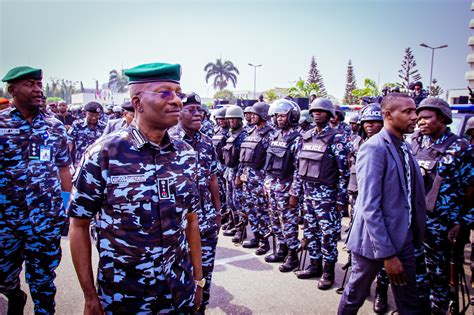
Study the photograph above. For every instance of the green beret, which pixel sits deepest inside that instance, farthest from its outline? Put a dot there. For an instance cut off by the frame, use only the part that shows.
(154, 72)
(23, 73)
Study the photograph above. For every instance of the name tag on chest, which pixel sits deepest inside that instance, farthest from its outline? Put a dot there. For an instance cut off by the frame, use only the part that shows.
(314, 147)
(118, 179)
(9, 131)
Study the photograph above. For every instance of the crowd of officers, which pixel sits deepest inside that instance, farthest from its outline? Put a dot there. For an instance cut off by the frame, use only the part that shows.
(272, 167)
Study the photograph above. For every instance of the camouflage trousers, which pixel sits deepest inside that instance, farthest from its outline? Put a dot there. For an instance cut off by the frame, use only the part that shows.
(208, 248)
(321, 221)
(255, 203)
(234, 195)
(438, 255)
(40, 250)
(284, 220)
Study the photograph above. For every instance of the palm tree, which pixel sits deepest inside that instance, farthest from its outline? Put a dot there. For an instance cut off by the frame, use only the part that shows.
(222, 73)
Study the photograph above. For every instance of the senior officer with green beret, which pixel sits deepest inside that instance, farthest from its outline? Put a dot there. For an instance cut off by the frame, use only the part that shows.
(141, 185)
(34, 168)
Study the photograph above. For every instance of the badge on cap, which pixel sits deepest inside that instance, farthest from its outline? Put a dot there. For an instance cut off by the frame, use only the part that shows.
(197, 98)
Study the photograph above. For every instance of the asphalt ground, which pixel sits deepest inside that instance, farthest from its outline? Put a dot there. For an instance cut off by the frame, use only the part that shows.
(243, 283)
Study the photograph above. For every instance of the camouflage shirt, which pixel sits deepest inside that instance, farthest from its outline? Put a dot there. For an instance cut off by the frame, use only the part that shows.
(207, 166)
(30, 157)
(207, 128)
(141, 193)
(82, 137)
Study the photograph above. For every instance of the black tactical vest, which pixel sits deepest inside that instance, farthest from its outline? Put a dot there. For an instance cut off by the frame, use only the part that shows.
(252, 152)
(427, 159)
(218, 141)
(352, 187)
(314, 162)
(230, 152)
(280, 161)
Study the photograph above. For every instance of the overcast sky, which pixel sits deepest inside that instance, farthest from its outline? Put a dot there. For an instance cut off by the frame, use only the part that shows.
(84, 40)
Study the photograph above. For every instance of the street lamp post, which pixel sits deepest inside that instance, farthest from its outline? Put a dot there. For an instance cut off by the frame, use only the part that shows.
(254, 79)
(432, 59)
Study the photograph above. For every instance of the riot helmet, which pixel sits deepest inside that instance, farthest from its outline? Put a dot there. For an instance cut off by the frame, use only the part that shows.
(261, 109)
(323, 104)
(438, 105)
(234, 111)
(284, 106)
(305, 117)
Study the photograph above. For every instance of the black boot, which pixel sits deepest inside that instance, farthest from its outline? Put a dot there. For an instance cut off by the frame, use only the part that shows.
(253, 243)
(263, 247)
(16, 302)
(291, 261)
(279, 256)
(327, 280)
(314, 270)
(229, 231)
(380, 301)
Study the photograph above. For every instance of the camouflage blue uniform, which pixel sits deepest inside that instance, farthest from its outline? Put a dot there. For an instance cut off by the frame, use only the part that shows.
(82, 137)
(141, 193)
(218, 140)
(284, 220)
(322, 175)
(445, 209)
(207, 128)
(207, 166)
(231, 153)
(31, 208)
(250, 171)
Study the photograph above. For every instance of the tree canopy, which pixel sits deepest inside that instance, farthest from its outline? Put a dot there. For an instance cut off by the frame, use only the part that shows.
(222, 72)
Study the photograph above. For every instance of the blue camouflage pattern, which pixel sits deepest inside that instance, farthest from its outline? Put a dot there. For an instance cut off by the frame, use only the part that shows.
(81, 137)
(455, 168)
(207, 128)
(31, 209)
(141, 193)
(322, 221)
(207, 166)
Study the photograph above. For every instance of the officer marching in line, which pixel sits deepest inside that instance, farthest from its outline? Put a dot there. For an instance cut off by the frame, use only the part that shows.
(85, 132)
(250, 177)
(446, 163)
(141, 184)
(231, 153)
(207, 125)
(279, 168)
(321, 175)
(189, 130)
(371, 122)
(34, 168)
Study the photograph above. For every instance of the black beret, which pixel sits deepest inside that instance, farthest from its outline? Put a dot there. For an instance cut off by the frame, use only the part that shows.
(128, 106)
(192, 99)
(93, 107)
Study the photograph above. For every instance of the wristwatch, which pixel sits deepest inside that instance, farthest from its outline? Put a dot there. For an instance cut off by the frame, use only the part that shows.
(201, 283)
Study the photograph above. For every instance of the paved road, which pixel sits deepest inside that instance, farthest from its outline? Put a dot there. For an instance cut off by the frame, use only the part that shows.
(243, 284)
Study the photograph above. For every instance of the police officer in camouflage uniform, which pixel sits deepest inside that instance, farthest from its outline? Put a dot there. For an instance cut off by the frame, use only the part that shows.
(218, 141)
(86, 131)
(355, 126)
(321, 175)
(231, 153)
(445, 161)
(188, 130)
(34, 168)
(338, 123)
(248, 118)
(306, 121)
(207, 125)
(141, 184)
(251, 175)
(279, 167)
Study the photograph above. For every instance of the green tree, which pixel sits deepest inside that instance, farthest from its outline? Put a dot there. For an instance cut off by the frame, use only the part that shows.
(408, 73)
(315, 77)
(223, 72)
(370, 89)
(304, 89)
(271, 95)
(351, 85)
(435, 89)
(118, 82)
(224, 95)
